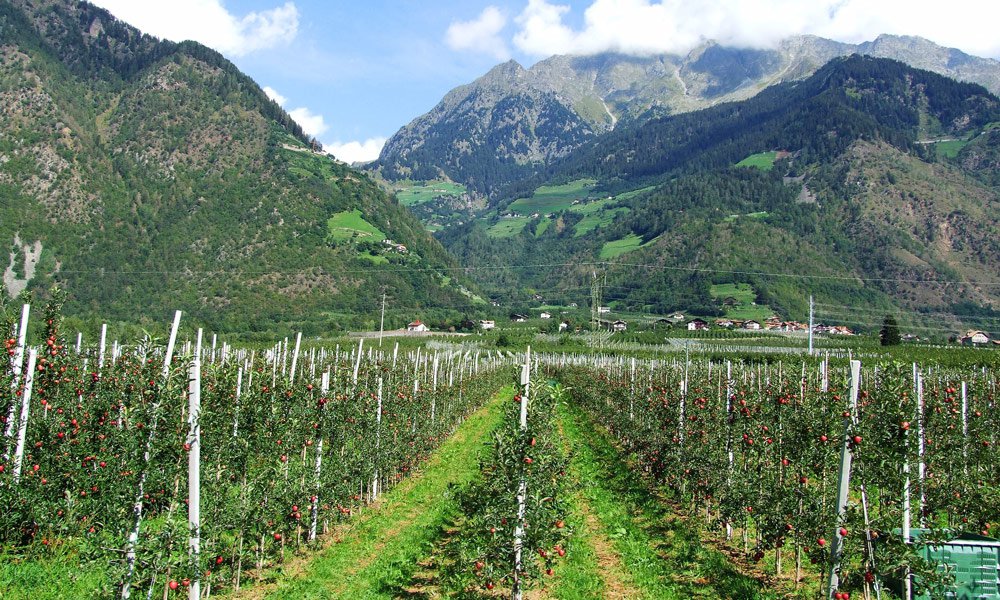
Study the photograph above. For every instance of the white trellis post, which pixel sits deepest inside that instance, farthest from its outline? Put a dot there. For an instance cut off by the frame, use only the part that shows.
(295, 357)
(357, 361)
(16, 366)
(236, 405)
(378, 439)
(324, 387)
(194, 475)
(921, 465)
(522, 489)
(844, 482)
(22, 426)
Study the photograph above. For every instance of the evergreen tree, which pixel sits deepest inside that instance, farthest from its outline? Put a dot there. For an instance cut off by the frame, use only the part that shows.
(889, 334)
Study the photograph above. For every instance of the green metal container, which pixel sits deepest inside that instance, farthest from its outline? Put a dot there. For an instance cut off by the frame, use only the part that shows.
(973, 559)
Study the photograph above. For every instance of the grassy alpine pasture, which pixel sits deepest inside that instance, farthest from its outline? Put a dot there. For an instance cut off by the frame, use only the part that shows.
(950, 148)
(351, 224)
(418, 192)
(625, 245)
(507, 227)
(553, 198)
(746, 296)
(762, 160)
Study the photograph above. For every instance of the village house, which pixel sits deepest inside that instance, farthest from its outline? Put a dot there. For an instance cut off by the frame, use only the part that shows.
(518, 318)
(603, 310)
(417, 326)
(487, 325)
(974, 338)
(545, 315)
(563, 326)
(751, 325)
(401, 248)
(725, 323)
(619, 325)
(697, 325)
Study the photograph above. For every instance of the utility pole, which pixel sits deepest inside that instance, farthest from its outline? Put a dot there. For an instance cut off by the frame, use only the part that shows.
(595, 302)
(381, 325)
(810, 324)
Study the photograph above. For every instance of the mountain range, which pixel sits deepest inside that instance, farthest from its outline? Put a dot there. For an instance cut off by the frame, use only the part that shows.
(870, 185)
(145, 176)
(513, 121)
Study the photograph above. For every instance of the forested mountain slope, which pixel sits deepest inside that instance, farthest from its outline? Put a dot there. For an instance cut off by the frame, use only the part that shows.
(145, 176)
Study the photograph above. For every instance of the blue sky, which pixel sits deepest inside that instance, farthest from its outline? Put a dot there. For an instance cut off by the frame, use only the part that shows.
(353, 72)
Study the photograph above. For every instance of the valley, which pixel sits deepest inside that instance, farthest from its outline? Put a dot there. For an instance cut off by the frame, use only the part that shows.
(714, 323)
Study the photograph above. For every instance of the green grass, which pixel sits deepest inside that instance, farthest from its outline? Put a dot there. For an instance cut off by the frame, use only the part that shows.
(951, 148)
(542, 226)
(763, 161)
(55, 577)
(418, 192)
(622, 246)
(597, 219)
(305, 164)
(379, 554)
(552, 198)
(745, 294)
(507, 227)
(662, 555)
(378, 259)
(592, 207)
(344, 225)
(754, 215)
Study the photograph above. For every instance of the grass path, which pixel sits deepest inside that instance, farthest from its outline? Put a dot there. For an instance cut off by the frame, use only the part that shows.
(377, 554)
(642, 548)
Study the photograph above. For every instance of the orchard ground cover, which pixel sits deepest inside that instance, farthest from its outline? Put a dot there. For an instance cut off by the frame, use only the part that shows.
(376, 553)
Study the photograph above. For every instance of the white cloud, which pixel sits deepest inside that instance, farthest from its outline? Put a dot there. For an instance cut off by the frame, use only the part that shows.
(274, 95)
(352, 152)
(311, 123)
(647, 26)
(480, 35)
(209, 22)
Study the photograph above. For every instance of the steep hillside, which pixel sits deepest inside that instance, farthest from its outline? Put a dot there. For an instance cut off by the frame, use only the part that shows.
(869, 184)
(145, 176)
(562, 102)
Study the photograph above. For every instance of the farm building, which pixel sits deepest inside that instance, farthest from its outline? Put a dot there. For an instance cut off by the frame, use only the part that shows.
(697, 325)
(974, 338)
(417, 326)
